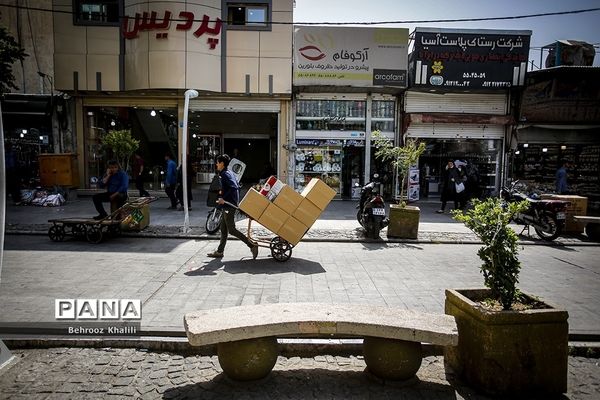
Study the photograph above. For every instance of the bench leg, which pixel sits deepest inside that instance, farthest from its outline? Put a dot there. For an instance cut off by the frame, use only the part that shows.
(247, 360)
(392, 359)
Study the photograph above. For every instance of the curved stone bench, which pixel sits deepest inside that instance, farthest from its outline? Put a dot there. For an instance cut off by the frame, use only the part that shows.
(246, 336)
(592, 226)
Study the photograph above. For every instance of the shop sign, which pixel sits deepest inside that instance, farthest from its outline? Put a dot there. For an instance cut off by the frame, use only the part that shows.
(148, 22)
(318, 142)
(488, 59)
(344, 56)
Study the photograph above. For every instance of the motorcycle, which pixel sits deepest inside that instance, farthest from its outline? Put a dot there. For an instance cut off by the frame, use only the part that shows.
(546, 216)
(371, 209)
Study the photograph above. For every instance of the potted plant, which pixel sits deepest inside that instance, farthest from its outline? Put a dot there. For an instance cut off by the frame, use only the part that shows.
(122, 145)
(404, 220)
(509, 342)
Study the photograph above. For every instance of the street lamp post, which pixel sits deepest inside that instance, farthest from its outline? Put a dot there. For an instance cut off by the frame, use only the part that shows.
(189, 94)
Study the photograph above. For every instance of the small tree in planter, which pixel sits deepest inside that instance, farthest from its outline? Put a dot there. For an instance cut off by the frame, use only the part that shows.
(404, 220)
(514, 350)
(122, 145)
(401, 157)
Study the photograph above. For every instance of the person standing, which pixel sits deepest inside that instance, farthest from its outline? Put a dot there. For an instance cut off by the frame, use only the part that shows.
(136, 172)
(230, 193)
(171, 180)
(450, 177)
(116, 182)
(561, 178)
(12, 173)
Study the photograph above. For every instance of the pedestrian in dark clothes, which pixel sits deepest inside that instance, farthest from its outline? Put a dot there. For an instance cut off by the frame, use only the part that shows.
(450, 177)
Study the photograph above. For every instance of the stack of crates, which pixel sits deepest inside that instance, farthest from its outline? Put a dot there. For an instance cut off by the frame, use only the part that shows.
(285, 212)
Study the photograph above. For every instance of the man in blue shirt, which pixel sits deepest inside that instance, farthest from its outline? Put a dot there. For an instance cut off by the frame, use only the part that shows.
(171, 180)
(561, 178)
(230, 193)
(116, 183)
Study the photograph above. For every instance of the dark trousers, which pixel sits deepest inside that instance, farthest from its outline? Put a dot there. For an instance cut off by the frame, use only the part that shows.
(139, 185)
(170, 191)
(100, 198)
(13, 184)
(228, 227)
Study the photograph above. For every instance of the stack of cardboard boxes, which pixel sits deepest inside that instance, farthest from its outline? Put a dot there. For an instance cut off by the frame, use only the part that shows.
(285, 212)
(577, 206)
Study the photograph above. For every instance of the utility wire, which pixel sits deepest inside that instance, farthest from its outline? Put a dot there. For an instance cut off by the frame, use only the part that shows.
(424, 21)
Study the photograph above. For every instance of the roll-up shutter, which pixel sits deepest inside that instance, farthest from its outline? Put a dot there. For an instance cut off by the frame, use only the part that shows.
(460, 103)
(273, 106)
(456, 131)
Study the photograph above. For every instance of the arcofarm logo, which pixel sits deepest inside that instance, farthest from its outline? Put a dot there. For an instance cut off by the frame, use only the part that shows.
(312, 53)
(98, 309)
(389, 77)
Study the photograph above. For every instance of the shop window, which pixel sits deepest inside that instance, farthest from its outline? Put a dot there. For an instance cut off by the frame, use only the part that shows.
(382, 115)
(248, 16)
(96, 12)
(331, 115)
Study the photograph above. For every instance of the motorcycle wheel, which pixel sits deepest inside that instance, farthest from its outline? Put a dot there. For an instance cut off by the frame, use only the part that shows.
(548, 228)
(373, 227)
(213, 221)
(359, 218)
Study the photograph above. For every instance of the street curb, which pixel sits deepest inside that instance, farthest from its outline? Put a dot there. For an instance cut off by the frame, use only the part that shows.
(288, 347)
(322, 240)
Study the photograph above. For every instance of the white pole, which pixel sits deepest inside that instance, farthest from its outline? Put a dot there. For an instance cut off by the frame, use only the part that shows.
(189, 94)
(5, 354)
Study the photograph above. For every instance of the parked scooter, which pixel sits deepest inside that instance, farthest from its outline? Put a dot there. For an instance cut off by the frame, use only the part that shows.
(546, 216)
(371, 209)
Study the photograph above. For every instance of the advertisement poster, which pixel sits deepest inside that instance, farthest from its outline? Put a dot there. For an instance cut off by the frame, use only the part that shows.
(344, 56)
(469, 58)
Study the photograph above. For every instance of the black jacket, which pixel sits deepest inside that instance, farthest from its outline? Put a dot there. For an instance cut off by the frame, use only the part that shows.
(230, 189)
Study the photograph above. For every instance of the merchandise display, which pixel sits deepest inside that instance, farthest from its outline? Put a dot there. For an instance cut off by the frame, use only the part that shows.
(207, 149)
(322, 162)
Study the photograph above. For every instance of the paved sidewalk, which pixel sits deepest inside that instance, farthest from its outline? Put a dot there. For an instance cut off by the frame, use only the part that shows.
(337, 223)
(67, 373)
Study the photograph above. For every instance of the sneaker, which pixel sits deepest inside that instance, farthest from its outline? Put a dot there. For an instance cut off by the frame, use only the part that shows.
(215, 254)
(254, 250)
(180, 208)
(172, 208)
(100, 216)
(440, 211)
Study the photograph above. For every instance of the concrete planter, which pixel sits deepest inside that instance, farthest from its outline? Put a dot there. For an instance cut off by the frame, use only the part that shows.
(508, 352)
(404, 222)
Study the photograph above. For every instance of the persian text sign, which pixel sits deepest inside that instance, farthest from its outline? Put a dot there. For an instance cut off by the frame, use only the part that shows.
(362, 57)
(471, 59)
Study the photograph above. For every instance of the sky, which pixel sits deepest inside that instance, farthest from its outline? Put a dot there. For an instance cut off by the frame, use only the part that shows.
(545, 30)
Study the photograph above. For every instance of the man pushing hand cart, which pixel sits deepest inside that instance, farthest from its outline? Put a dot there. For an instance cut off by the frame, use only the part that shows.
(286, 213)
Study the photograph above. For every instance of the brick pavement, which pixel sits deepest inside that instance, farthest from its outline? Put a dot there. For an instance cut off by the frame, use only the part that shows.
(73, 373)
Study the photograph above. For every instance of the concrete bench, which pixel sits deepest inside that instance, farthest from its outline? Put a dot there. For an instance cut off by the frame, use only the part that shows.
(592, 226)
(246, 336)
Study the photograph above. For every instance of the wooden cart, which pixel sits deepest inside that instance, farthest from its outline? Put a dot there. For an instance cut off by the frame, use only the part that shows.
(95, 230)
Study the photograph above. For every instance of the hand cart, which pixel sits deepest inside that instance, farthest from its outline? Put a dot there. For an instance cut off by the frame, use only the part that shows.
(281, 249)
(95, 230)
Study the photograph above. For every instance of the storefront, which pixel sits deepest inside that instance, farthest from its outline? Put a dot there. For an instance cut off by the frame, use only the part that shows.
(459, 101)
(331, 136)
(347, 82)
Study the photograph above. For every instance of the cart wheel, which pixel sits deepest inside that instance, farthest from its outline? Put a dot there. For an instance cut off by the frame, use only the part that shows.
(94, 234)
(114, 230)
(281, 250)
(79, 231)
(56, 233)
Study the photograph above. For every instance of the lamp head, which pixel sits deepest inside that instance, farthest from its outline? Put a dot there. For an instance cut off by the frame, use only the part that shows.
(191, 93)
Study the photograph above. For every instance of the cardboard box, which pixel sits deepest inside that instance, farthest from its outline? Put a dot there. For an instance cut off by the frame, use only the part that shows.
(271, 188)
(319, 193)
(288, 199)
(254, 204)
(273, 218)
(292, 230)
(577, 206)
(137, 220)
(307, 212)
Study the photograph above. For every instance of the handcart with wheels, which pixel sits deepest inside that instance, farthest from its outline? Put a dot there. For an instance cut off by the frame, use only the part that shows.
(95, 230)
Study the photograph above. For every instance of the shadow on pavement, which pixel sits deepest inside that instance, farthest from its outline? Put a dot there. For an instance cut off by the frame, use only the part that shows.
(266, 266)
(375, 245)
(324, 384)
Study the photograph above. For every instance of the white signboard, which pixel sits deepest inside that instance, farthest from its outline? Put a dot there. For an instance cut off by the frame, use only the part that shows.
(350, 56)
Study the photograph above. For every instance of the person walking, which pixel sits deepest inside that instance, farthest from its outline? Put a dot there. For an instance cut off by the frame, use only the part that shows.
(12, 173)
(136, 173)
(450, 177)
(116, 182)
(171, 180)
(230, 193)
(561, 178)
